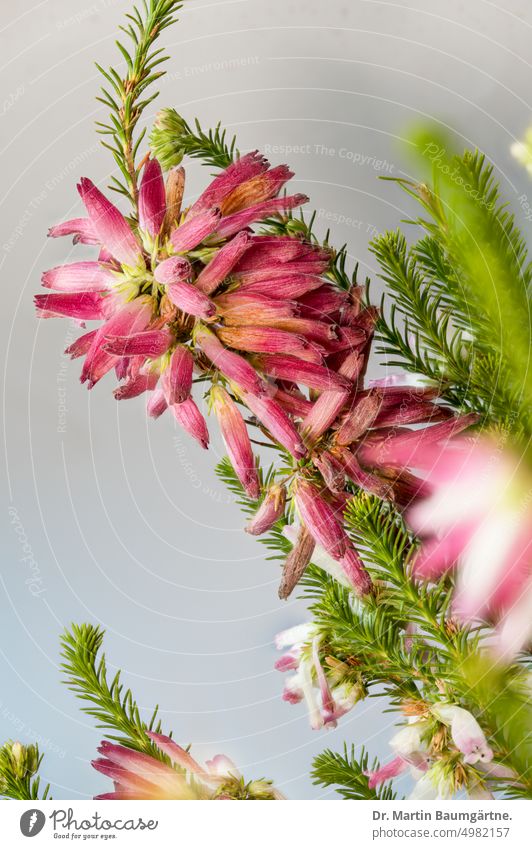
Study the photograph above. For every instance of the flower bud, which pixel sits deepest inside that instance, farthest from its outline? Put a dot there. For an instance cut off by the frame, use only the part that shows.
(236, 439)
(166, 138)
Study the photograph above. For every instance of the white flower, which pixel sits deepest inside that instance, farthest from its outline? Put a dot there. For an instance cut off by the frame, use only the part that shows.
(465, 731)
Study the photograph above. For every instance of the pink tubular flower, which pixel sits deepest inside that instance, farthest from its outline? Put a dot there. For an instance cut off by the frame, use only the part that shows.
(280, 285)
(149, 343)
(355, 572)
(136, 386)
(141, 776)
(348, 570)
(270, 340)
(276, 421)
(193, 231)
(233, 223)
(131, 318)
(269, 512)
(236, 438)
(80, 228)
(300, 371)
(240, 310)
(235, 367)
(387, 771)
(152, 199)
(320, 519)
(83, 306)
(177, 379)
(360, 418)
(488, 535)
(190, 300)
(220, 267)
(189, 417)
(109, 225)
(233, 180)
(331, 402)
(78, 277)
(404, 449)
(157, 404)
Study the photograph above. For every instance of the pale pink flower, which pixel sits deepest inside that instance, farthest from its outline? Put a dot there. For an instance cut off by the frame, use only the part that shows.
(465, 731)
(411, 753)
(140, 776)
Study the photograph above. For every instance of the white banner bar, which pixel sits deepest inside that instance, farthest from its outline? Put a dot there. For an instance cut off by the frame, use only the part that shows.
(272, 826)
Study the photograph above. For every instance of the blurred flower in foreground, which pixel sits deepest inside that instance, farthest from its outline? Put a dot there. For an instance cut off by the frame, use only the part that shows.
(479, 515)
(140, 776)
(329, 692)
(522, 151)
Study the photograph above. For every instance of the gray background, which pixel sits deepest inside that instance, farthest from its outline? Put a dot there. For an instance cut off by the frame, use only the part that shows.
(123, 522)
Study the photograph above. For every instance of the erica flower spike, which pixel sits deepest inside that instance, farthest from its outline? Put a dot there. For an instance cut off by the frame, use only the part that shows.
(186, 295)
(169, 289)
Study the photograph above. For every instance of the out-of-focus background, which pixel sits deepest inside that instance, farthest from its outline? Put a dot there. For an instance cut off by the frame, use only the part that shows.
(112, 519)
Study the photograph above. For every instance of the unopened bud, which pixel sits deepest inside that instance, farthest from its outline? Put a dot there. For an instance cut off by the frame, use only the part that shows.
(166, 139)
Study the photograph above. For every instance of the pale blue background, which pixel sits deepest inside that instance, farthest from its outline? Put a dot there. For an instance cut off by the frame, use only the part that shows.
(126, 521)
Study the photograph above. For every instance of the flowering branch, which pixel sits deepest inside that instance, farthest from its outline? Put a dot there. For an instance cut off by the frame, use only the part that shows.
(235, 295)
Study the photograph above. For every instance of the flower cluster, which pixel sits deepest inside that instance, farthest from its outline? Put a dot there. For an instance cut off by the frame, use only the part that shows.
(345, 432)
(193, 294)
(478, 515)
(329, 692)
(139, 776)
(445, 750)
